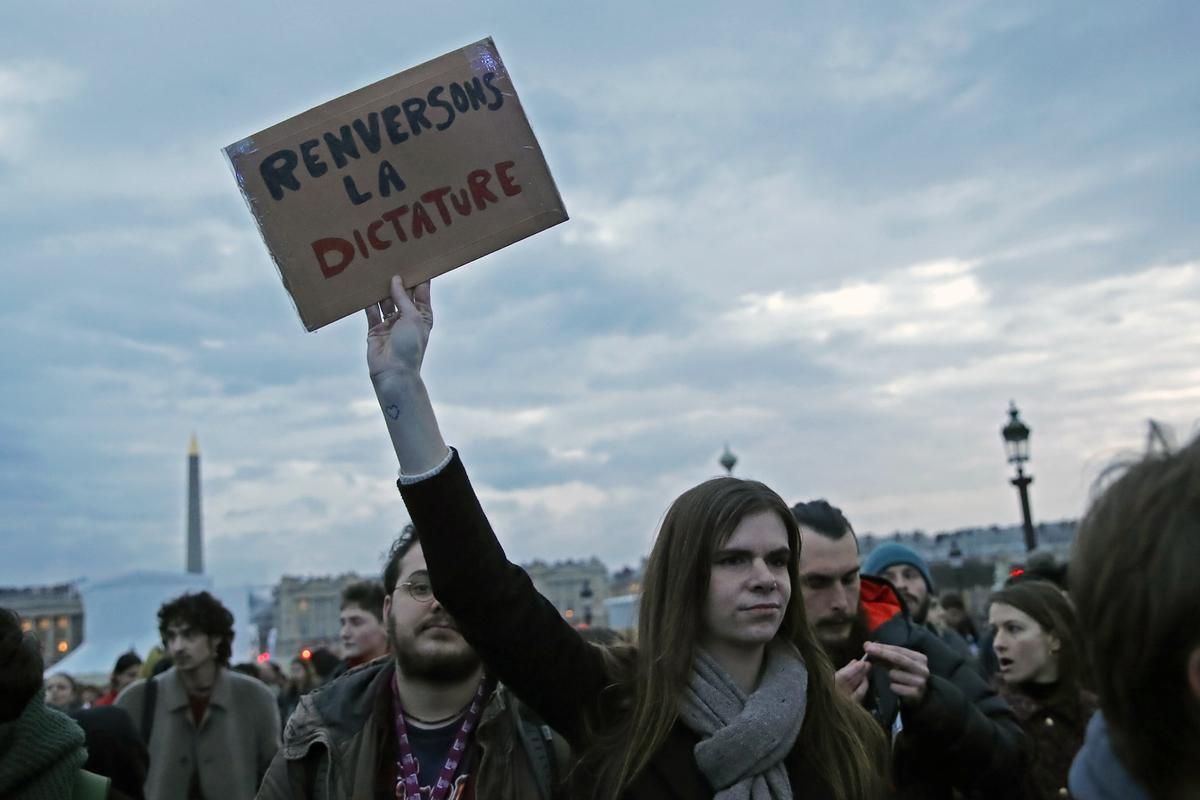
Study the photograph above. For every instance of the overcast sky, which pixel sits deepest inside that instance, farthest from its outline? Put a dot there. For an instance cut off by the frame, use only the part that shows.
(839, 237)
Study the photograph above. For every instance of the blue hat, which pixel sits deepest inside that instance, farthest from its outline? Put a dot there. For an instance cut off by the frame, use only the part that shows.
(891, 554)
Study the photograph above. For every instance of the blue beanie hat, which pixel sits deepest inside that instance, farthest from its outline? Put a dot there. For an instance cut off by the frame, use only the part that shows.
(891, 554)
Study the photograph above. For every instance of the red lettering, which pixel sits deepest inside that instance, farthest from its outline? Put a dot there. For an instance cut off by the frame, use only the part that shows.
(373, 236)
(393, 217)
(506, 181)
(362, 246)
(478, 181)
(436, 196)
(323, 247)
(461, 202)
(422, 222)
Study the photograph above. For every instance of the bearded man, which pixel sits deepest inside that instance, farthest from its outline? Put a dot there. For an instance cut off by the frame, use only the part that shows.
(427, 722)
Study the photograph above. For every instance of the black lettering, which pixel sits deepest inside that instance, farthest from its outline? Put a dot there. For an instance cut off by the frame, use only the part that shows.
(390, 116)
(414, 113)
(276, 170)
(341, 147)
(369, 132)
(474, 89)
(389, 179)
(488, 77)
(352, 191)
(312, 161)
(459, 96)
(421, 221)
(435, 100)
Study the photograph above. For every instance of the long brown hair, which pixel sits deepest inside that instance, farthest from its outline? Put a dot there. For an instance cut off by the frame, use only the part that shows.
(844, 745)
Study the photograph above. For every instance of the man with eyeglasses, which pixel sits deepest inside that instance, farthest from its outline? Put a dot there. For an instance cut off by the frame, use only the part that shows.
(426, 723)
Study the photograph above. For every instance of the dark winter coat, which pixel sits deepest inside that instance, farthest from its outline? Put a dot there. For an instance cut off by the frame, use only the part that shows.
(1056, 728)
(526, 643)
(962, 736)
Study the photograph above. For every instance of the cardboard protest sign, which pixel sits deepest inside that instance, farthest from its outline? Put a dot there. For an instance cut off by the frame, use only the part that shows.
(414, 175)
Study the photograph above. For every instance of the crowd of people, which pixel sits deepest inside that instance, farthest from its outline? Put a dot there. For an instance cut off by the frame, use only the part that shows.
(770, 661)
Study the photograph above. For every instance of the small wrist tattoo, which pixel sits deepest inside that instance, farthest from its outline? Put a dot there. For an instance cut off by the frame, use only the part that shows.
(393, 411)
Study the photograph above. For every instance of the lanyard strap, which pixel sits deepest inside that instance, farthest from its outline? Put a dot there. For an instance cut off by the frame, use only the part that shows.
(408, 784)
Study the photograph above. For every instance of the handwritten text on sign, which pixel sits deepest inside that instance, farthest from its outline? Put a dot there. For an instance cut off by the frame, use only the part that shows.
(425, 152)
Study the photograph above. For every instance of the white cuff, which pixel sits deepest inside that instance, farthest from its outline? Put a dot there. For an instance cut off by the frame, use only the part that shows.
(408, 480)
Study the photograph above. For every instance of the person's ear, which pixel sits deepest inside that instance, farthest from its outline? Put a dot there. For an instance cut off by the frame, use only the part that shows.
(1053, 643)
(1193, 671)
(387, 609)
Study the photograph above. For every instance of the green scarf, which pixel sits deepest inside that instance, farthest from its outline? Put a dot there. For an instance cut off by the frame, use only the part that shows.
(41, 753)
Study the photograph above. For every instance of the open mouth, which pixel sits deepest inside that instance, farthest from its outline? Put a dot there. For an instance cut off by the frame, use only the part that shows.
(1005, 663)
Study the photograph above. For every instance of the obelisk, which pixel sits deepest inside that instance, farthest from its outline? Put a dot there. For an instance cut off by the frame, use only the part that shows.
(195, 540)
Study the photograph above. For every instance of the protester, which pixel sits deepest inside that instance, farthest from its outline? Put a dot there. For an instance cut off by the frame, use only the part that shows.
(1133, 581)
(41, 749)
(1042, 676)
(956, 617)
(301, 680)
(114, 747)
(349, 731)
(902, 567)
(728, 691)
(62, 692)
(125, 671)
(363, 635)
(951, 731)
(212, 732)
(324, 664)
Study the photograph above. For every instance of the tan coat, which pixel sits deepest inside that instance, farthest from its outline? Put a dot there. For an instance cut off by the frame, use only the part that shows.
(232, 747)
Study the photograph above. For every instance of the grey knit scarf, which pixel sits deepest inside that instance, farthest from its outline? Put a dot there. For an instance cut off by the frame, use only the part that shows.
(745, 739)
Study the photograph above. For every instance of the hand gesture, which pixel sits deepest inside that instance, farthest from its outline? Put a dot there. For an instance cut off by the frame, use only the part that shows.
(908, 670)
(398, 332)
(852, 680)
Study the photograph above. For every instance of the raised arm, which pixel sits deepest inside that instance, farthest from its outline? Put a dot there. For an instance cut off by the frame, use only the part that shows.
(520, 636)
(397, 336)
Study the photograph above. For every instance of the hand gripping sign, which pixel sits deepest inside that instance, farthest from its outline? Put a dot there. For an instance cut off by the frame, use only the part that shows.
(414, 175)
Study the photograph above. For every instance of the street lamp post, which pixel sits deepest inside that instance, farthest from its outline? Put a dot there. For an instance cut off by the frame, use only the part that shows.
(1016, 443)
(727, 460)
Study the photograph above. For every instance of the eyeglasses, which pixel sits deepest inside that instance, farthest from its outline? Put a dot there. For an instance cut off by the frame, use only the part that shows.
(421, 591)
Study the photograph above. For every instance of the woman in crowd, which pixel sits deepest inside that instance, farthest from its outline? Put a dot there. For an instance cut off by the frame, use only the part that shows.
(301, 681)
(1043, 676)
(127, 670)
(728, 691)
(62, 692)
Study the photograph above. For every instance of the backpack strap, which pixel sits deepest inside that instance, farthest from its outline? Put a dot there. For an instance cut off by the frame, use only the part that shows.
(539, 744)
(90, 786)
(149, 700)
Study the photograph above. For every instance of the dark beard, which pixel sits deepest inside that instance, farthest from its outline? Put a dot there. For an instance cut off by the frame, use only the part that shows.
(842, 654)
(441, 668)
(921, 614)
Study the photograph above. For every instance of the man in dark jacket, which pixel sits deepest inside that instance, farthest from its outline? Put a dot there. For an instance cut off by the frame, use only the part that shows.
(424, 713)
(904, 569)
(950, 730)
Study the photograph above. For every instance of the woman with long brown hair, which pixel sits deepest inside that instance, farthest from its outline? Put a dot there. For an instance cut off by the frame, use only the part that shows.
(1044, 677)
(727, 692)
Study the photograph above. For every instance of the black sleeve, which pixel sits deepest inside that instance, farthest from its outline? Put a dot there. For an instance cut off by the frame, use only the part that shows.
(963, 728)
(520, 636)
